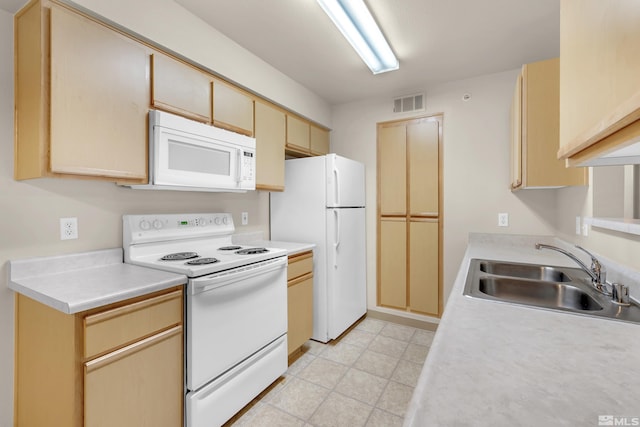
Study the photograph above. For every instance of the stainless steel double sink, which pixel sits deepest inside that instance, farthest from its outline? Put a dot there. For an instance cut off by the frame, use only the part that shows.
(549, 287)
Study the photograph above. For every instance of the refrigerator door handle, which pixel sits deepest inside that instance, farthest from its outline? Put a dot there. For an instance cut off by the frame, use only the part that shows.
(336, 184)
(336, 240)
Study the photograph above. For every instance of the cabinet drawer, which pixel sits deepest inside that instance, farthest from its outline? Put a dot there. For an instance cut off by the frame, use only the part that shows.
(123, 325)
(300, 265)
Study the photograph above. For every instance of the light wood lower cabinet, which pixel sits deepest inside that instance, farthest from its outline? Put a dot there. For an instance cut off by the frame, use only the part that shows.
(118, 365)
(300, 300)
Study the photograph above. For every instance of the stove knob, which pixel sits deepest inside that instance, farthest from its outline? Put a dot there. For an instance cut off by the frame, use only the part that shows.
(144, 225)
(157, 224)
(217, 220)
(225, 220)
(202, 221)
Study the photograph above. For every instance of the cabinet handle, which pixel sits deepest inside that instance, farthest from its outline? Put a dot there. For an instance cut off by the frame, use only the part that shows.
(114, 356)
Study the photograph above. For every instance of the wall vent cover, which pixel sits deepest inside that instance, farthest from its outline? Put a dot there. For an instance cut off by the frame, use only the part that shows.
(404, 104)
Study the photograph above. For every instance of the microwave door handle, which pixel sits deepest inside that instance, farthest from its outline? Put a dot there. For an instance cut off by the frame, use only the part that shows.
(239, 165)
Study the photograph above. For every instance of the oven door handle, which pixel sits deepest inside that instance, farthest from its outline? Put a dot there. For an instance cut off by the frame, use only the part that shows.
(219, 280)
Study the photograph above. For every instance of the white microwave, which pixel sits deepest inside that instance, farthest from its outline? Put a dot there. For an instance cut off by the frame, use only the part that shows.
(191, 156)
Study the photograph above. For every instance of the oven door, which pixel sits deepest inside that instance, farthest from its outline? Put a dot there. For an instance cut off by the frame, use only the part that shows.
(232, 315)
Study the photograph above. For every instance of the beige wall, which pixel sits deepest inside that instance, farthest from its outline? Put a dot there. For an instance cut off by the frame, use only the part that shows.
(619, 247)
(476, 165)
(30, 210)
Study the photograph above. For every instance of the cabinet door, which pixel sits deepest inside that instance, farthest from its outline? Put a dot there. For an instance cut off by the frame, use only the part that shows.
(298, 134)
(141, 384)
(270, 139)
(300, 312)
(599, 68)
(99, 99)
(424, 176)
(392, 170)
(232, 109)
(319, 141)
(393, 262)
(423, 266)
(180, 88)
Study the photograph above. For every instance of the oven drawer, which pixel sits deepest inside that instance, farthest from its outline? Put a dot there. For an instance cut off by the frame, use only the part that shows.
(120, 326)
(299, 265)
(219, 400)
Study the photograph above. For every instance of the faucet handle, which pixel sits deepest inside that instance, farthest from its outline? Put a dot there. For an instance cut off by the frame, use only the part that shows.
(620, 294)
(597, 268)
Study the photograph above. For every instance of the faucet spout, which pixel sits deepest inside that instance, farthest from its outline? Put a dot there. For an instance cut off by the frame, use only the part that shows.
(596, 272)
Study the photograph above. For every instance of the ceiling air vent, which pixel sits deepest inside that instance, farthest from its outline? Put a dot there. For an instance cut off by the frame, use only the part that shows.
(409, 103)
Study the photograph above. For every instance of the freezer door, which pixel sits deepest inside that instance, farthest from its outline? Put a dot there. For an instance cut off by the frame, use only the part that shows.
(345, 182)
(346, 268)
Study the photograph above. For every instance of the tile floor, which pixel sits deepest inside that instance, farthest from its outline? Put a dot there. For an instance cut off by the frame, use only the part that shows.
(366, 378)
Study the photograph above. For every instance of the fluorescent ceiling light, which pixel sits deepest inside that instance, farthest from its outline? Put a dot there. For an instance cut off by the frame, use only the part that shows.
(357, 25)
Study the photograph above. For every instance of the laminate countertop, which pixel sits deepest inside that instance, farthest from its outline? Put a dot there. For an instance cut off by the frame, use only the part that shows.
(500, 364)
(291, 247)
(77, 282)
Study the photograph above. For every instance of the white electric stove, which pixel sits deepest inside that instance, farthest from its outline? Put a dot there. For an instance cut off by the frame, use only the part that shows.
(235, 307)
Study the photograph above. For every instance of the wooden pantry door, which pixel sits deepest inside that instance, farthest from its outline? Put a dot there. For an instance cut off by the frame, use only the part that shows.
(409, 254)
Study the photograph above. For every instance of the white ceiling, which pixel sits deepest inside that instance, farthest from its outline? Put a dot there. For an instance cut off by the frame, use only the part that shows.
(435, 40)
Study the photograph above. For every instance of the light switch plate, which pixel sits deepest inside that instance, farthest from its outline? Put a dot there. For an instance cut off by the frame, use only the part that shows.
(245, 218)
(578, 225)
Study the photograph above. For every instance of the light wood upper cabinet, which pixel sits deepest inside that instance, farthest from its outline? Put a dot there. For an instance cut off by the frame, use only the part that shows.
(81, 94)
(393, 170)
(270, 134)
(180, 88)
(599, 84)
(319, 141)
(422, 154)
(535, 124)
(298, 135)
(232, 108)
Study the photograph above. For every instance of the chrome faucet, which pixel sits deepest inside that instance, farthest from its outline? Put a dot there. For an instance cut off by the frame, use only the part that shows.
(597, 272)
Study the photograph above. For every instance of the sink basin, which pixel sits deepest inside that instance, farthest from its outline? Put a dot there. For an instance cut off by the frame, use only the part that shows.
(538, 293)
(525, 271)
(542, 286)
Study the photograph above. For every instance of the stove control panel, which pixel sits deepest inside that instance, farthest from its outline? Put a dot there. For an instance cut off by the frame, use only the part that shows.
(153, 228)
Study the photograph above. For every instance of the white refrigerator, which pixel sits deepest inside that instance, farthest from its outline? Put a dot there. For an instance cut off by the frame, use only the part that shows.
(324, 203)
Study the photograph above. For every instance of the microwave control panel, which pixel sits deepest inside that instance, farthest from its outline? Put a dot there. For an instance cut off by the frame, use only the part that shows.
(248, 165)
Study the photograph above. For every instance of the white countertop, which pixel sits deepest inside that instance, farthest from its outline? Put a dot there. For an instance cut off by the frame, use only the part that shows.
(291, 247)
(500, 364)
(77, 282)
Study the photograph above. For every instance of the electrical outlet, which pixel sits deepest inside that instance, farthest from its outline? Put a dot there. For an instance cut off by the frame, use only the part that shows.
(68, 228)
(578, 225)
(245, 218)
(503, 220)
